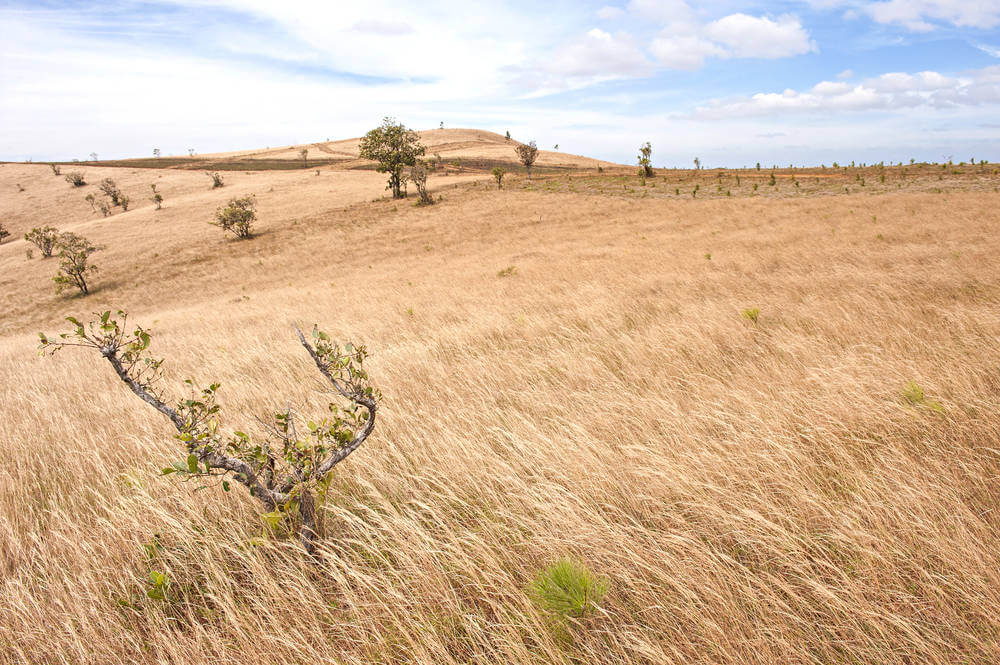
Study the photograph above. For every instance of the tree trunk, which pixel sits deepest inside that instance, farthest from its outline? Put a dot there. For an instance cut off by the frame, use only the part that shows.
(307, 509)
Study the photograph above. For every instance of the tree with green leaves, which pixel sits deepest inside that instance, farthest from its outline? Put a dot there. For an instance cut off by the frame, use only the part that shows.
(287, 464)
(74, 262)
(304, 154)
(44, 238)
(646, 160)
(527, 153)
(393, 147)
(238, 216)
(498, 173)
(418, 176)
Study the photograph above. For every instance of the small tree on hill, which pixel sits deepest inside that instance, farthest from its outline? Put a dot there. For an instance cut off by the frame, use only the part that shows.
(156, 198)
(498, 174)
(418, 176)
(527, 153)
(646, 159)
(238, 216)
(156, 153)
(304, 154)
(216, 179)
(3, 233)
(74, 266)
(44, 238)
(288, 474)
(55, 169)
(394, 147)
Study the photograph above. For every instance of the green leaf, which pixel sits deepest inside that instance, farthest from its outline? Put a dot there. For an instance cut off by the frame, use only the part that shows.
(225, 485)
(166, 471)
(192, 463)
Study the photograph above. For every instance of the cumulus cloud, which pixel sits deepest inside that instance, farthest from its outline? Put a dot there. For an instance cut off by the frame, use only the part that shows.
(684, 51)
(761, 37)
(923, 15)
(890, 91)
(600, 53)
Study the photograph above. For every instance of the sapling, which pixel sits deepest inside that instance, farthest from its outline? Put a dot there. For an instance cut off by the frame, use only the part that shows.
(498, 174)
(418, 176)
(44, 238)
(286, 472)
(74, 262)
(527, 153)
(3, 233)
(238, 216)
(156, 198)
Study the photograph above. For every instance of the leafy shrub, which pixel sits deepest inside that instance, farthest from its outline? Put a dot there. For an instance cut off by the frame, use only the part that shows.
(238, 216)
(567, 589)
(285, 472)
(418, 176)
(75, 178)
(44, 238)
(156, 198)
(3, 233)
(74, 266)
(216, 179)
(498, 174)
(55, 169)
(123, 201)
(304, 154)
(393, 147)
(914, 394)
(111, 190)
(527, 153)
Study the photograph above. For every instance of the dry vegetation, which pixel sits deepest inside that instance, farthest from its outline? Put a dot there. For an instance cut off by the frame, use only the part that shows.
(566, 374)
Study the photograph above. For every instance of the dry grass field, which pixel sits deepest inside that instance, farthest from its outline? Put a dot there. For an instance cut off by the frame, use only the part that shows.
(568, 369)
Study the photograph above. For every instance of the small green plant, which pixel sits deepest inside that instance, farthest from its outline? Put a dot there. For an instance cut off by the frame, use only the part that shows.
(646, 160)
(216, 179)
(418, 176)
(508, 271)
(567, 589)
(304, 154)
(772, 182)
(4, 233)
(751, 314)
(238, 216)
(159, 585)
(74, 266)
(156, 198)
(44, 238)
(75, 178)
(914, 394)
(708, 256)
(498, 174)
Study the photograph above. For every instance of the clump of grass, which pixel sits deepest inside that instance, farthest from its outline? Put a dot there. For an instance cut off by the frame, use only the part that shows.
(914, 394)
(508, 271)
(567, 589)
(752, 314)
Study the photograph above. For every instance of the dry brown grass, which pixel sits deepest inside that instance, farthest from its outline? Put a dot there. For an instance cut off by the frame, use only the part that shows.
(756, 493)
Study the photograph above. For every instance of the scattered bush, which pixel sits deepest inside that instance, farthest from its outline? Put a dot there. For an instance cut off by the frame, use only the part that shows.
(393, 147)
(75, 178)
(527, 153)
(4, 233)
(238, 216)
(156, 198)
(216, 179)
(123, 201)
(55, 169)
(498, 174)
(567, 589)
(110, 189)
(44, 238)
(507, 272)
(288, 474)
(74, 266)
(645, 160)
(304, 154)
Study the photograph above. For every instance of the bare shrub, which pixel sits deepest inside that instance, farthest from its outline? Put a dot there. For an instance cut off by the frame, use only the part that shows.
(288, 474)
(4, 233)
(216, 179)
(156, 198)
(74, 265)
(55, 169)
(44, 238)
(75, 178)
(110, 189)
(238, 216)
(527, 153)
(418, 176)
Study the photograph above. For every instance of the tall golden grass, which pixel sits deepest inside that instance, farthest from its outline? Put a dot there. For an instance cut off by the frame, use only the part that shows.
(754, 492)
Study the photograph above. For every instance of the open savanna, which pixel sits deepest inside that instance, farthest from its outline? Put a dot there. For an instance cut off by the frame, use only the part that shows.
(567, 370)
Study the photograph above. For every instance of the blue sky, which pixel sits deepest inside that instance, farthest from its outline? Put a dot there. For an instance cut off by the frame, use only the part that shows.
(729, 81)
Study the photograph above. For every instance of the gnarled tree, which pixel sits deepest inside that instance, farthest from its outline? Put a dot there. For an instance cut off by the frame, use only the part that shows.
(394, 147)
(74, 262)
(527, 153)
(286, 472)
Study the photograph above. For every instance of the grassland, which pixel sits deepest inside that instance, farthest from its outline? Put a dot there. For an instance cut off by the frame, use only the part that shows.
(567, 370)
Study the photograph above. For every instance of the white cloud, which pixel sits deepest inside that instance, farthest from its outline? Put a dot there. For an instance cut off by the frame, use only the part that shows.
(609, 13)
(989, 50)
(662, 11)
(387, 28)
(600, 53)
(760, 37)
(923, 15)
(844, 75)
(891, 91)
(684, 52)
